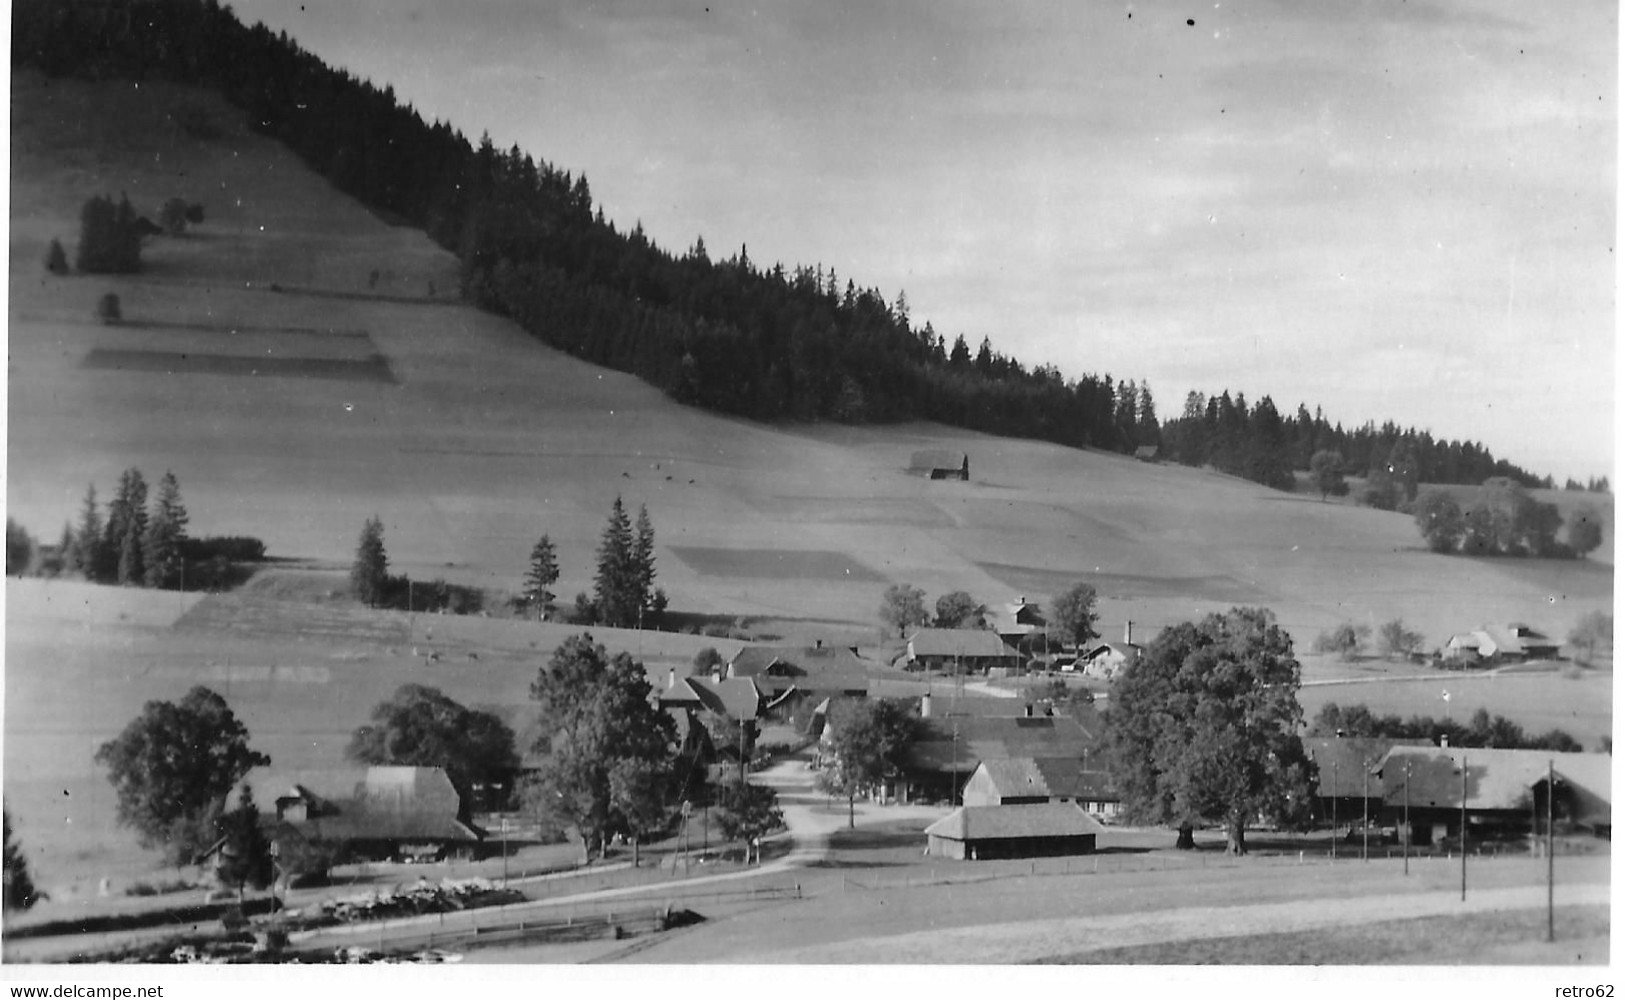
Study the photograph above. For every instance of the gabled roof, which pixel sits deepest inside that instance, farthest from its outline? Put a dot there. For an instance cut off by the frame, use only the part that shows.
(1146, 451)
(1039, 819)
(937, 458)
(1055, 777)
(807, 668)
(974, 642)
(1346, 759)
(1496, 779)
(374, 803)
(736, 697)
(983, 739)
(1129, 651)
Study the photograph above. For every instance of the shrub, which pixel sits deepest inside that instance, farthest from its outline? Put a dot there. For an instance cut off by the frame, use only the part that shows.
(56, 258)
(108, 309)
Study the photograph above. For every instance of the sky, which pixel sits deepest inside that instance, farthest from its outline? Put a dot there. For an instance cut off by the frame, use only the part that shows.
(1390, 209)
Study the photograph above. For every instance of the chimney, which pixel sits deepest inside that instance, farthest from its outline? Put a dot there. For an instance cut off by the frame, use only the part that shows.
(925, 705)
(1027, 711)
(716, 673)
(1128, 634)
(818, 644)
(671, 678)
(1444, 741)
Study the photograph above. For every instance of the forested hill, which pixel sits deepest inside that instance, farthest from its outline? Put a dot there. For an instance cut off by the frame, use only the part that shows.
(722, 333)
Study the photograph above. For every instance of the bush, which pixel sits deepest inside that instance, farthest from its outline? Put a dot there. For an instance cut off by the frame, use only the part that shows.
(108, 309)
(56, 258)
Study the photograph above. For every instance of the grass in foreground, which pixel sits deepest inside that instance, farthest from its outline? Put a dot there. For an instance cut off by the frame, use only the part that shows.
(1472, 940)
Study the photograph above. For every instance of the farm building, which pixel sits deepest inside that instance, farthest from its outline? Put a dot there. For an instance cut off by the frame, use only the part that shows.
(1494, 643)
(788, 674)
(940, 464)
(1346, 766)
(962, 650)
(953, 747)
(1146, 453)
(687, 699)
(1018, 622)
(988, 833)
(1106, 659)
(1505, 789)
(373, 812)
(1027, 780)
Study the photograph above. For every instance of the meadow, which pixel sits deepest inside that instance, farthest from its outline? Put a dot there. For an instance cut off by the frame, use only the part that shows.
(331, 375)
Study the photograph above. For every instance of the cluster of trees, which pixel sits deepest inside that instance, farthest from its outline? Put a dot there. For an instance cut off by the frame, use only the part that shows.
(109, 238)
(1504, 520)
(623, 590)
(1261, 444)
(1594, 631)
(136, 543)
(1346, 640)
(1072, 613)
(1481, 730)
(372, 583)
(420, 726)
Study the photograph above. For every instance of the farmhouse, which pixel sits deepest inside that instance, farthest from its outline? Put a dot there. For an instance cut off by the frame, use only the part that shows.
(1146, 453)
(374, 812)
(1028, 780)
(940, 464)
(1346, 784)
(1492, 643)
(987, 833)
(1018, 622)
(1505, 789)
(953, 747)
(787, 674)
(962, 650)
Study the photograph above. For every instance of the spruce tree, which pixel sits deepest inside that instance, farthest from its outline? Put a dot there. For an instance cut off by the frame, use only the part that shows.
(165, 533)
(643, 563)
(371, 568)
(87, 541)
(544, 572)
(246, 853)
(20, 893)
(615, 581)
(126, 523)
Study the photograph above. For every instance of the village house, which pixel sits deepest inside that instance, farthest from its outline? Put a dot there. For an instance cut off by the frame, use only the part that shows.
(935, 767)
(1505, 790)
(1105, 660)
(1028, 780)
(787, 675)
(1019, 623)
(1514, 642)
(988, 833)
(958, 650)
(1346, 786)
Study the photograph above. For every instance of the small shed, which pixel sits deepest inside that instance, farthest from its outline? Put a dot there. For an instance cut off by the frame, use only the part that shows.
(940, 464)
(1146, 453)
(1035, 830)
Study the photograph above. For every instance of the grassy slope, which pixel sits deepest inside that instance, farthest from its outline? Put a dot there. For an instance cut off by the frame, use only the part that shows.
(488, 439)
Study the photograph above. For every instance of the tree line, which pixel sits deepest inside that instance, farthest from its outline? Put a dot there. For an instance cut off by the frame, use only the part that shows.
(1504, 520)
(1481, 730)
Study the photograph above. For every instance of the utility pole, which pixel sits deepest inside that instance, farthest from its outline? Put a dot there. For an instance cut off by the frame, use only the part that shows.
(1407, 841)
(1464, 826)
(1551, 934)
(1365, 810)
(1334, 809)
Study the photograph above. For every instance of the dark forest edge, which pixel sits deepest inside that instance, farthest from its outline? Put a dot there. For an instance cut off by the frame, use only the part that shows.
(767, 344)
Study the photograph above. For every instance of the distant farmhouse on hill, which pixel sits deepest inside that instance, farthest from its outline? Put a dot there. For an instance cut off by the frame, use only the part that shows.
(940, 464)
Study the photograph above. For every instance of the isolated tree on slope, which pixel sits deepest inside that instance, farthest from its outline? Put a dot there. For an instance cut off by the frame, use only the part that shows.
(1326, 471)
(1204, 726)
(1584, 530)
(1440, 520)
(172, 768)
(615, 582)
(420, 726)
(543, 574)
(370, 571)
(1073, 612)
(165, 534)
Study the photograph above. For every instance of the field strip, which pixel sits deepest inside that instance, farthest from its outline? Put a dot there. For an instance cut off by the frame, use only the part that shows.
(373, 369)
(1033, 940)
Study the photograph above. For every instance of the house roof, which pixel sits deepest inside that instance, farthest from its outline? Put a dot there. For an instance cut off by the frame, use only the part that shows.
(937, 458)
(1345, 759)
(1514, 639)
(1496, 779)
(981, 738)
(811, 669)
(1019, 617)
(1146, 451)
(1056, 777)
(1126, 650)
(735, 697)
(974, 642)
(373, 803)
(1038, 819)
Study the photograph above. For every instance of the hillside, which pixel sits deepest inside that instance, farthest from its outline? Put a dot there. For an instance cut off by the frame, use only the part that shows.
(477, 439)
(294, 393)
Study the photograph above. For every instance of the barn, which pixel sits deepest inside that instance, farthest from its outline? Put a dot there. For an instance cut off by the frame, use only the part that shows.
(940, 464)
(1034, 830)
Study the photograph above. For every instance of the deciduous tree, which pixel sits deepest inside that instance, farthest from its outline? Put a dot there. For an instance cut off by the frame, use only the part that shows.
(748, 813)
(1439, 519)
(1073, 613)
(172, 768)
(1393, 639)
(867, 745)
(1204, 726)
(1594, 630)
(959, 609)
(1326, 471)
(19, 549)
(421, 726)
(595, 712)
(902, 606)
(1584, 530)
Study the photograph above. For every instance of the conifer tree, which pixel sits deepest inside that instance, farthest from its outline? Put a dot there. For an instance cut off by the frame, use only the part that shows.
(544, 572)
(166, 531)
(126, 524)
(615, 582)
(20, 893)
(369, 572)
(246, 853)
(85, 555)
(643, 563)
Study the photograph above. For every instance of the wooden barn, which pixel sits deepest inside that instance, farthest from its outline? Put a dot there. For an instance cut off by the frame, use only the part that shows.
(1036, 830)
(940, 464)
